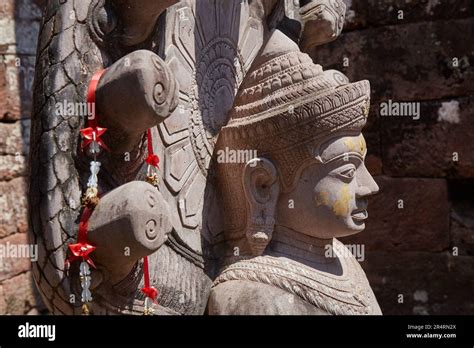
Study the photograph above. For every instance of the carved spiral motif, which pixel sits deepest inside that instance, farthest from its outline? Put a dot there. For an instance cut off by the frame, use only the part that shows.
(102, 20)
(218, 75)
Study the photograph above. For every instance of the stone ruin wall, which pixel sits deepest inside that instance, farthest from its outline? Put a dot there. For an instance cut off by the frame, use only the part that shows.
(19, 27)
(412, 251)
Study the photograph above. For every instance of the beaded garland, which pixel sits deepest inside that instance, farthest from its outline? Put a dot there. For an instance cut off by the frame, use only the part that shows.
(92, 144)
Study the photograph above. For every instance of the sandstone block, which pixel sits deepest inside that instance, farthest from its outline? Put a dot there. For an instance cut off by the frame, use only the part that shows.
(14, 138)
(11, 266)
(16, 81)
(12, 167)
(406, 62)
(422, 224)
(360, 14)
(13, 207)
(462, 217)
(19, 294)
(439, 144)
(3, 305)
(431, 283)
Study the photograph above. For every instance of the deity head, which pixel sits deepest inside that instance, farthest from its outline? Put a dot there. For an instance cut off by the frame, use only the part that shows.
(302, 126)
(322, 21)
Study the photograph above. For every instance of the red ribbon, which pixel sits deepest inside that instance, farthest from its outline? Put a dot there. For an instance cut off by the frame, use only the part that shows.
(93, 122)
(148, 290)
(93, 132)
(152, 159)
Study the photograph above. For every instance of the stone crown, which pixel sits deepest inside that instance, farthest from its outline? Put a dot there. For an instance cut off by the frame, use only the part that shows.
(287, 105)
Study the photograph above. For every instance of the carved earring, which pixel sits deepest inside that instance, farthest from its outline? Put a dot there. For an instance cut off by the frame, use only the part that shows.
(259, 232)
(261, 190)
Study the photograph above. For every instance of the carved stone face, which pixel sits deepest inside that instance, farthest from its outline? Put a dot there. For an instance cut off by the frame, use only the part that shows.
(330, 199)
(322, 21)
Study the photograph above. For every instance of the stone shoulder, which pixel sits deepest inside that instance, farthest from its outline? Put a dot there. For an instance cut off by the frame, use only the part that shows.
(244, 297)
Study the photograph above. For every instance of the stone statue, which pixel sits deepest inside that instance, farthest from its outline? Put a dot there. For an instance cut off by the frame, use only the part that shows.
(176, 67)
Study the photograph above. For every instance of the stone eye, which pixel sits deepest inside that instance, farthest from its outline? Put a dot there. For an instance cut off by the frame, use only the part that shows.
(348, 173)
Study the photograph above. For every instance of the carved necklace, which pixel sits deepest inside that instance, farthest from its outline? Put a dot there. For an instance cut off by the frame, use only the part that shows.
(338, 295)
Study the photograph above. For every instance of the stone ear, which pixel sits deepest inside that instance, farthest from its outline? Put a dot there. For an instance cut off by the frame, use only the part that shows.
(262, 188)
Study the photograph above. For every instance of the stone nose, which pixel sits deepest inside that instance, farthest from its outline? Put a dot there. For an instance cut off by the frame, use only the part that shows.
(366, 184)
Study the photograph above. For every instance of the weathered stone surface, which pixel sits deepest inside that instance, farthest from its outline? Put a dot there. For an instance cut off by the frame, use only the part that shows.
(422, 224)
(11, 266)
(21, 9)
(16, 81)
(9, 96)
(439, 144)
(371, 133)
(29, 9)
(431, 283)
(462, 237)
(373, 164)
(3, 304)
(19, 21)
(462, 217)
(373, 13)
(121, 220)
(14, 138)
(406, 62)
(7, 34)
(142, 84)
(12, 167)
(13, 210)
(19, 27)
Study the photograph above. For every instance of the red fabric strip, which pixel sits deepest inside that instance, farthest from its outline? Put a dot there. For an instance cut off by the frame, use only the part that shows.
(93, 122)
(148, 290)
(83, 225)
(152, 159)
(149, 142)
(145, 272)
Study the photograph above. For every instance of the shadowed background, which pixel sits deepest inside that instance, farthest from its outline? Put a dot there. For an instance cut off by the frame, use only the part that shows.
(411, 251)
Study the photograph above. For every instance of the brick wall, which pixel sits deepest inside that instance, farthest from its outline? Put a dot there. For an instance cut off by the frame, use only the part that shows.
(419, 241)
(19, 26)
